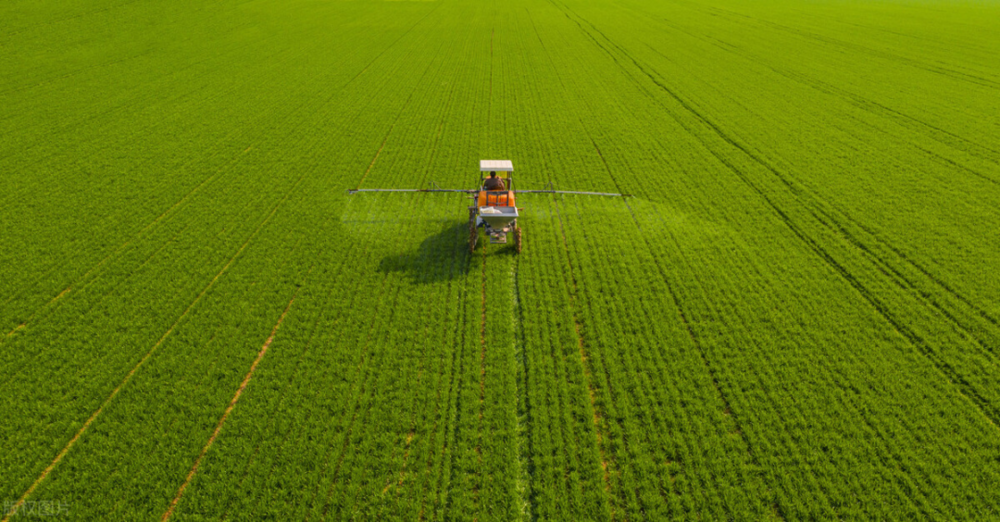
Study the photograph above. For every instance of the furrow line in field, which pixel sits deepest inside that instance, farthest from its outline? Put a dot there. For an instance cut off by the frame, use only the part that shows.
(436, 466)
(962, 386)
(12, 376)
(393, 44)
(297, 372)
(76, 72)
(437, 136)
(834, 219)
(489, 111)
(112, 290)
(55, 265)
(523, 431)
(138, 235)
(149, 226)
(97, 146)
(477, 485)
(867, 104)
(712, 372)
(229, 408)
(363, 364)
(980, 402)
(393, 126)
(888, 445)
(888, 269)
(414, 427)
(677, 303)
(829, 218)
(281, 400)
(245, 382)
(797, 191)
(455, 396)
(607, 461)
(956, 379)
(272, 442)
(893, 58)
(609, 466)
(68, 18)
(817, 210)
(62, 453)
(693, 337)
(860, 101)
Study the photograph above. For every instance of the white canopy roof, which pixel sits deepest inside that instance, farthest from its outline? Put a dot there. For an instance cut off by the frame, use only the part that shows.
(496, 165)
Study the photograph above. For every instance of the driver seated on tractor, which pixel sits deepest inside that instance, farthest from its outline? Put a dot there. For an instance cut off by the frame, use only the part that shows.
(494, 183)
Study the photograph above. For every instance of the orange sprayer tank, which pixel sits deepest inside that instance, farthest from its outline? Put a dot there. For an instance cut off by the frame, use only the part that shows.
(496, 198)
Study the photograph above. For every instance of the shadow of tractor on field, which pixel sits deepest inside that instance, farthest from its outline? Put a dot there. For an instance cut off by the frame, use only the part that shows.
(443, 256)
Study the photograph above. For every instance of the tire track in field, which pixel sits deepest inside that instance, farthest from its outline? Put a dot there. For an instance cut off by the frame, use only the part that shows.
(365, 366)
(775, 505)
(232, 162)
(835, 217)
(82, 70)
(289, 116)
(232, 404)
(128, 377)
(609, 464)
(399, 115)
(75, 72)
(285, 389)
(476, 485)
(884, 55)
(232, 134)
(137, 235)
(962, 386)
(455, 397)
(415, 430)
(345, 259)
(430, 460)
(526, 493)
(86, 276)
(523, 498)
(246, 381)
(864, 103)
(834, 220)
(68, 18)
(393, 44)
(779, 512)
(12, 376)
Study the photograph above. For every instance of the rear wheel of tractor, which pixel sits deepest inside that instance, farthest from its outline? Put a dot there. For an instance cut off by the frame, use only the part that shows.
(473, 231)
(517, 238)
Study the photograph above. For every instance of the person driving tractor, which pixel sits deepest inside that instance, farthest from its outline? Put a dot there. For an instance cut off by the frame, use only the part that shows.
(494, 183)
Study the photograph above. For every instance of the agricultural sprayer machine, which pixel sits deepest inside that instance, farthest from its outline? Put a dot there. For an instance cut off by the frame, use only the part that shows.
(493, 209)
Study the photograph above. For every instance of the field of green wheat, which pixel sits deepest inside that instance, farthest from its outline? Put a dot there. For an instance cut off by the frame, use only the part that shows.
(794, 315)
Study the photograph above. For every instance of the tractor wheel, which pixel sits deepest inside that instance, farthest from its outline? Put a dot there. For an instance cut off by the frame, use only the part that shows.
(473, 231)
(517, 238)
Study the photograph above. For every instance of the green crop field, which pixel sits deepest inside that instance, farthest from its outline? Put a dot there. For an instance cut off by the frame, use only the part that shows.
(795, 315)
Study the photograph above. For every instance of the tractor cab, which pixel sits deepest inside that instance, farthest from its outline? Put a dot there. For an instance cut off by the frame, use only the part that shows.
(496, 196)
(494, 210)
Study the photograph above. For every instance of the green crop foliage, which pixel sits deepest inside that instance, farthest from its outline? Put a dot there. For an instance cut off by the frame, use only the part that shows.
(795, 316)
